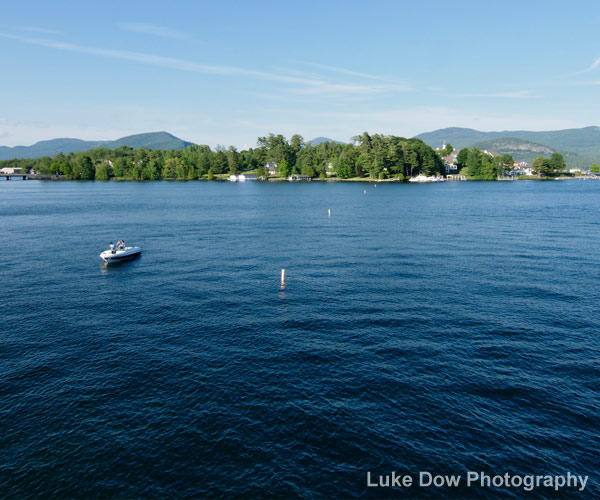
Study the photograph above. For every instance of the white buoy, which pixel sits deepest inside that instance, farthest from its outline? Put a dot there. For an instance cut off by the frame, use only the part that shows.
(329, 212)
(365, 191)
(283, 278)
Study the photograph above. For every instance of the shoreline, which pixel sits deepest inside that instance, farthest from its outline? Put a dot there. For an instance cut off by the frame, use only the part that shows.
(43, 177)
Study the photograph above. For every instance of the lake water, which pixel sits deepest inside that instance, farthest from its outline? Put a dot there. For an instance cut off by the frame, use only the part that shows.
(447, 327)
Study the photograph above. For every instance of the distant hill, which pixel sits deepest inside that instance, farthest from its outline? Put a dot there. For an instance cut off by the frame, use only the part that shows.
(580, 146)
(48, 148)
(522, 150)
(319, 140)
(511, 145)
(151, 140)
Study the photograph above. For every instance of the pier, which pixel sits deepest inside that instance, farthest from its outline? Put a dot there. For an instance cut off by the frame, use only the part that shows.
(10, 176)
(37, 177)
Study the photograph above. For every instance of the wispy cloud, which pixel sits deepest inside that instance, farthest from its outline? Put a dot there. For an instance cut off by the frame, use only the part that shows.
(151, 29)
(45, 31)
(303, 85)
(389, 84)
(517, 94)
(594, 65)
(344, 71)
(350, 88)
(589, 83)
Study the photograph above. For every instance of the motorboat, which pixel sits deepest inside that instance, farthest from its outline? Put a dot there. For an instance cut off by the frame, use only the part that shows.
(424, 178)
(120, 254)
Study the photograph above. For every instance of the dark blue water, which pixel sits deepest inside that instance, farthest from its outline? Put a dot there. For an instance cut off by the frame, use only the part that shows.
(447, 328)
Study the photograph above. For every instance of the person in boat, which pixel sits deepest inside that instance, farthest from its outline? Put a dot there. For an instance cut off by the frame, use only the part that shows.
(111, 247)
(122, 245)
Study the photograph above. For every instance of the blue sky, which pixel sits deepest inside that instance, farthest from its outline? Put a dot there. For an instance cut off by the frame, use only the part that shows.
(228, 72)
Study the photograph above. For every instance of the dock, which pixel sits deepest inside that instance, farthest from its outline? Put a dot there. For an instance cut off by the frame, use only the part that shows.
(33, 177)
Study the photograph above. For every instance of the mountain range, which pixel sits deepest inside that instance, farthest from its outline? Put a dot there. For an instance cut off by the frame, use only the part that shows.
(151, 140)
(580, 146)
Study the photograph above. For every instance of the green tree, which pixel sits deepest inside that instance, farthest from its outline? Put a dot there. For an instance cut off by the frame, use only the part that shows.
(284, 168)
(233, 161)
(120, 167)
(507, 162)
(595, 168)
(192, 173)
(218, 162)
(102, 173)
(308, 171)
(151, 170)
(557, 162)
(296, 143)
(84, 168)
(461, 158)
(181, 169)
(170, 169)
(542, 166)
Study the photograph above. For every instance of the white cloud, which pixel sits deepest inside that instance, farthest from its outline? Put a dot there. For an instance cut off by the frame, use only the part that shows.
(594, 65)
(589, 83)
(151, 29)
(517, 94)
(344, 71)
(45, 31)
(349, 88)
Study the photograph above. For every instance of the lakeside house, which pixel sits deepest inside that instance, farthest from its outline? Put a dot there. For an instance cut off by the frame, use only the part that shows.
(330, 170)
(243, 177)
(298, 177)
(449, 160)
(522, 168)
(272, 168)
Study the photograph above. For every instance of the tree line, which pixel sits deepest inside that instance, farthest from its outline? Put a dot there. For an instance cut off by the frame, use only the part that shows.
(374, 156)
(479, 165)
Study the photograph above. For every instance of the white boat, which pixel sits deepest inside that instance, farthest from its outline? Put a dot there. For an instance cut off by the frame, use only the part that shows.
(120, 254)
(424, 178)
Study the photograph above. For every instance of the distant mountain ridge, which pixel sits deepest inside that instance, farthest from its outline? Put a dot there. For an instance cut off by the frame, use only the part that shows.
(150, 140)
(579, 146)
(569, 139)
(508, 144)
(319, 140)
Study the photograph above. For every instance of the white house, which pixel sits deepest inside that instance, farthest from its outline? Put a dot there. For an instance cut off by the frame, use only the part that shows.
(522, 168)
(272, 168)
(330, 170)
(523, 171)
(298, 177)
